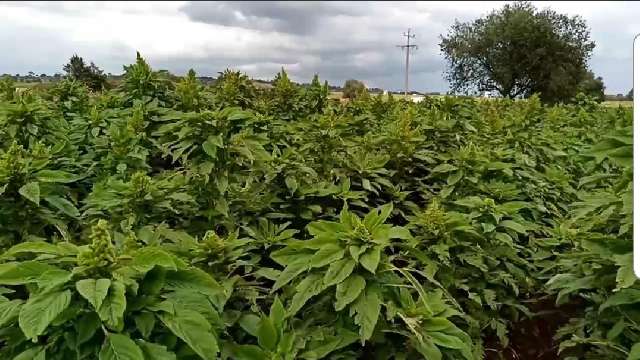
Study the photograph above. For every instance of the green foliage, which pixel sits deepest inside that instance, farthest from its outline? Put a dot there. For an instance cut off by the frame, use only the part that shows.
(89, 75)
(169, 220)
(353, 88)
(518, 51)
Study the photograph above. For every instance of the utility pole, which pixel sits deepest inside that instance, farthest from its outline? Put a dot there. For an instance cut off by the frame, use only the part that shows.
(407, 48)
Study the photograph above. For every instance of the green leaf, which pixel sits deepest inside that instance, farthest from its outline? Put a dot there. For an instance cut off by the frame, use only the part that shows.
(399, 232)
(53, 278)
(517, 227)
(428, 349)
(634, 353)
(370, 259)
(57, 176)
(444, 168)
(290, 272)
(267, 334)
(367, 311)
(326, 255)
(86, 327)
(145, 322)
(194, 330)
(248, 352)
(23, 272)
(338, 271)
(623, 297)
(625, 277)
(63, 205)
(199, 281)
(95, 291)
(148, 257)
(277, 313)
(153, 351)
(31, 192)
(41, 247)
(250, 323)
(311, 286)
(292, 183)
(34, 353)
(9, 311)
(112, 309)
(349, 290)
(120, 347)
(210, 148)
(446, 340)
(40, 310)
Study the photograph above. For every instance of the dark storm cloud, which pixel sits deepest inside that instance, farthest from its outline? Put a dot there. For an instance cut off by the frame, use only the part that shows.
(284, 16)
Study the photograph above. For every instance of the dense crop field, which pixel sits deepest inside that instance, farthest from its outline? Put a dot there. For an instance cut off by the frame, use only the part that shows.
(165, 220)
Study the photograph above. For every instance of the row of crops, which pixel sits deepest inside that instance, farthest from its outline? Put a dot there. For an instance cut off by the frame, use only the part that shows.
(167, 220)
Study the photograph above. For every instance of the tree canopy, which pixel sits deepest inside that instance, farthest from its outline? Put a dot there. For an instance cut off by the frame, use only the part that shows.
(517, 51)
(90, 75)
(352, 88)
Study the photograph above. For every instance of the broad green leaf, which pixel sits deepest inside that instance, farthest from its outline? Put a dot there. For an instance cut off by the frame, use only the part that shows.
(370, 259)
(112, 309)
(444, 168)
(292, 183)
(399, 232)
(63, 205)
(349, 290)
(634, 353)
(34, 353)
(86, 326)
(338, 271)
(623, 297)
(95, 291)
(9, 311)
(53, 278)
(197, 280)
(277, 313)
(148, 257)
(154, 351)
(446, 340)
(145, 322)
(31, 192)
(194, 330)
(40, 247)
(120, 347)
(625, 277)
(23, 272)
(311, 286)
(367, 311)
(40, 310)
(210, 148)
(267, 334)
(289, 273)
(57, 176)
(248, 352)
(326, 255)
(517, 227)
(250, 323)
(428, 349)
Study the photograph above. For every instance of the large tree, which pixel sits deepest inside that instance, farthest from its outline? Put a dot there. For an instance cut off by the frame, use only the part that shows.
(90, 75)
(592, 86)
(517, 51)
(352, 88)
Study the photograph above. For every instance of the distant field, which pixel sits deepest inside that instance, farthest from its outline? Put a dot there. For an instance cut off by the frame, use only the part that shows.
(614, 103)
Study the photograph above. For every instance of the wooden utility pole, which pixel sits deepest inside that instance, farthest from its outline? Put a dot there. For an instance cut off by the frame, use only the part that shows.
(407, 48)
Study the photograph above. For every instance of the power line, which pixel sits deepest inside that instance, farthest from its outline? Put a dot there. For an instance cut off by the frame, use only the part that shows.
(407, 48)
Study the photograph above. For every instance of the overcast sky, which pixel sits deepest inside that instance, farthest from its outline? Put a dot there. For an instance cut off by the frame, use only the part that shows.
(334, 39)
